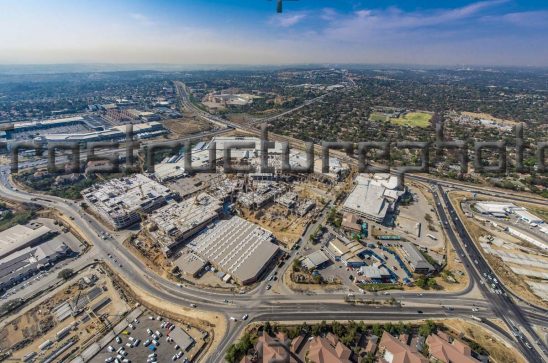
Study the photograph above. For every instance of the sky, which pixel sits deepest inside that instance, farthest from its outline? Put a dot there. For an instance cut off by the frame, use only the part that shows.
(442, 32)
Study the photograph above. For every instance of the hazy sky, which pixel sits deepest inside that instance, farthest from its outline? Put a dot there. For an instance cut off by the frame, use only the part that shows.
(495, 32)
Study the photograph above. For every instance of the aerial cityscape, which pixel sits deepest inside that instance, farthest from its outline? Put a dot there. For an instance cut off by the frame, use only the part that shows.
(289, 181)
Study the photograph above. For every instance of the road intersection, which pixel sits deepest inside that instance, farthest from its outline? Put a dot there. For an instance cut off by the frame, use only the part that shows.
(263, 305)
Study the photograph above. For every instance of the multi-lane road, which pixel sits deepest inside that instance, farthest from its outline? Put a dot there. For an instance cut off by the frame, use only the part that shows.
(262, 304)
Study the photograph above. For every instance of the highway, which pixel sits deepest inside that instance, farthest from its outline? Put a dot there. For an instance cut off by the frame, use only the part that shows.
(256, 303)
(262, 304)
(502, 303)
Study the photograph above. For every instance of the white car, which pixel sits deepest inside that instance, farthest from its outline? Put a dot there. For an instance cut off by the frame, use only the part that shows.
(245, 317)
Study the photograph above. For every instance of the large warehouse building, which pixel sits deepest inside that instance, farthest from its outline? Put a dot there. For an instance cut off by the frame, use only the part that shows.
(373, 197)
(237, 247)
(174, 223)
(24, 263)
(19, 237)
(120, 201)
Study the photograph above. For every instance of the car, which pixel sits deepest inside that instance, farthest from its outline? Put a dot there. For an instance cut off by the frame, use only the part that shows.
(268, 287)
(192, 305)
(420, 311)
(245, 317)
(233, 318)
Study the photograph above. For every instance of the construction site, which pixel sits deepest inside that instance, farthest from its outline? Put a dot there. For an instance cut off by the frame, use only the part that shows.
(68, 318)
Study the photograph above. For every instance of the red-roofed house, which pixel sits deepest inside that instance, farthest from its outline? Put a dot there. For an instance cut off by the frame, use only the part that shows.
(442, 350)
(392, 350)
(328, 350)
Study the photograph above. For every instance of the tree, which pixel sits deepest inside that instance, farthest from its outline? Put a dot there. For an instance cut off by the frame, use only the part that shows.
(377, 329)
(267, 328)
(65, 274)
(427, 328)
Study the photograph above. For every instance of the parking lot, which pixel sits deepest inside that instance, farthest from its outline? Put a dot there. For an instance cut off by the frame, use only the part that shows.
(146, 339)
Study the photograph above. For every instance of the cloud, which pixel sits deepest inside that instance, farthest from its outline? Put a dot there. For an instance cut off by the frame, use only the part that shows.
(535, 19)
(367, 23)
(286, 20)
(141, 18)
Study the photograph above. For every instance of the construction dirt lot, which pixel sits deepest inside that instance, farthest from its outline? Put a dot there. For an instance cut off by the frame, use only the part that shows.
(187, 126)
(41, 322)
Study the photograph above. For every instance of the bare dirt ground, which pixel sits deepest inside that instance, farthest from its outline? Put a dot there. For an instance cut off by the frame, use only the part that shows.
(187, 126)
(38, 324)
(516, 283)
(499, 352)
(487, 116)
(286, 227)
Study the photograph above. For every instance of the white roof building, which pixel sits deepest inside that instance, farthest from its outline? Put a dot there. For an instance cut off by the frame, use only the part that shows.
(373, 197)
(315, 260)
(19, 236)
(237, 247)
(528, 217)
(495, 209)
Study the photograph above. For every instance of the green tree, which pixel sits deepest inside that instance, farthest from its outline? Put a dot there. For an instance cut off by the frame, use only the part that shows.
(65, 274)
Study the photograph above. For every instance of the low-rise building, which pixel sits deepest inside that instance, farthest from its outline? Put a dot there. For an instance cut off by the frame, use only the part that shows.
(415, 259)
(190, 264)
(315, 260)
(181, 338)
(350, 222)
(274, 349)
(21, 264)
(119, 202)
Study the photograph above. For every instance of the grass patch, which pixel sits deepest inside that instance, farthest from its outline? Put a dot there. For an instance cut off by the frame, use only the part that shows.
(380, 287)
(413, 119)
(378, 117)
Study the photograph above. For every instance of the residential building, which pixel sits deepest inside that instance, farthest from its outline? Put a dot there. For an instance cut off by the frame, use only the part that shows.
(442, 350)
(328, 350)
(393, 350)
